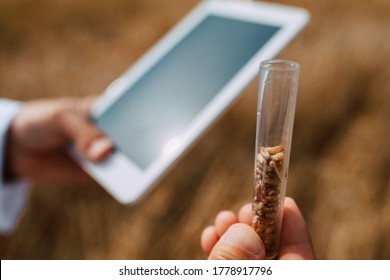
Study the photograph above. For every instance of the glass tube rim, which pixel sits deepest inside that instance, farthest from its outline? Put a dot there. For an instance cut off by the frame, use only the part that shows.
(281, 65)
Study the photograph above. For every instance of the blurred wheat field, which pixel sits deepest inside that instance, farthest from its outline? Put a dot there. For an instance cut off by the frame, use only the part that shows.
(340, 161)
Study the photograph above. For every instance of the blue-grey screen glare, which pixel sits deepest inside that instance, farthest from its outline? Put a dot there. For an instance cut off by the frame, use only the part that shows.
(159, 106)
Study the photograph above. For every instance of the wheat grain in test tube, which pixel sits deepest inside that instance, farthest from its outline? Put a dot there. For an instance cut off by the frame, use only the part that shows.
(278, 83)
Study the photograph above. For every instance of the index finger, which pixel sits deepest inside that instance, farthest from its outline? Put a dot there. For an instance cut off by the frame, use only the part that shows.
(295, 240)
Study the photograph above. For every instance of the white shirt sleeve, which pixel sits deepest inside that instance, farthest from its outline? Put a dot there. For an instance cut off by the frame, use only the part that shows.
(13, 195)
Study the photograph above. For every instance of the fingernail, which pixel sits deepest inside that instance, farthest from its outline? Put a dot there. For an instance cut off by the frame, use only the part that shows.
(243, 237)
(99, 148)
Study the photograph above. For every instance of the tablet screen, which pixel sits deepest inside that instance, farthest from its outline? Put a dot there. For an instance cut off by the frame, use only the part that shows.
(156, 109)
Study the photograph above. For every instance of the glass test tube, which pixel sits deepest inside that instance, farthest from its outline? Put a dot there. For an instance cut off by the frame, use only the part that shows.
(278, 84)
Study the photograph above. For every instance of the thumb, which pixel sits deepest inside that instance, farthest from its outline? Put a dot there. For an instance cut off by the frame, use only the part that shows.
(239, 242)
(75, 123)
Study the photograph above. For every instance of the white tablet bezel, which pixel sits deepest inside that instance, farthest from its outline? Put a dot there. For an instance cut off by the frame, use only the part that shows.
(123, 179)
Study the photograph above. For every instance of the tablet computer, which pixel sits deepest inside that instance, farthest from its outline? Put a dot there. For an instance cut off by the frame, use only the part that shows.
(166, 100)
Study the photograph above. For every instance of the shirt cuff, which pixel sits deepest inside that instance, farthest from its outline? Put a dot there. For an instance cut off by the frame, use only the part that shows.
(13, 199)
(13, 195)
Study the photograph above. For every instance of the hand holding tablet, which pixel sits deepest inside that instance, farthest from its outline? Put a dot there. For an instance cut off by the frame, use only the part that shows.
(161, 105)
